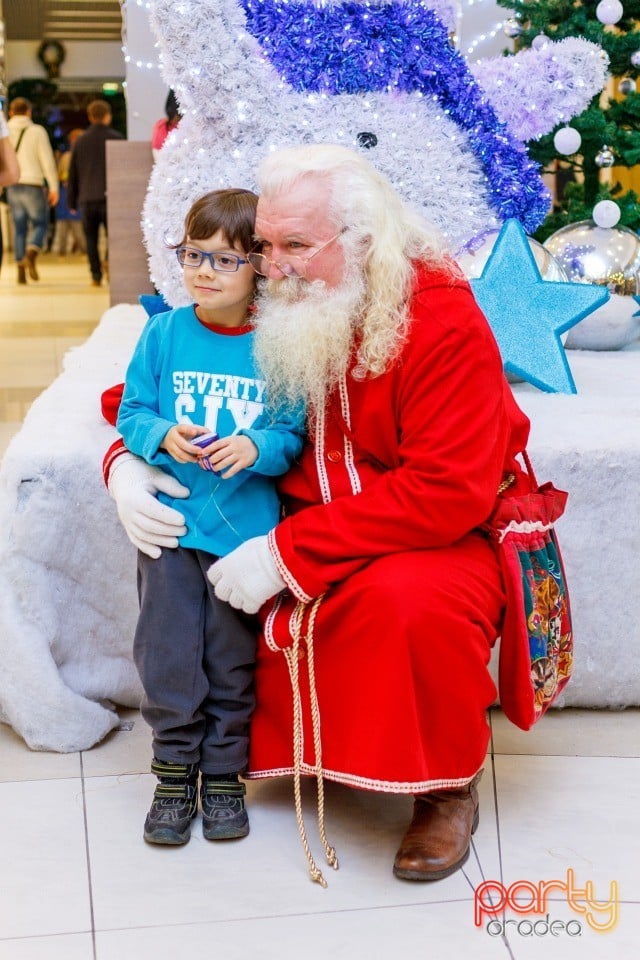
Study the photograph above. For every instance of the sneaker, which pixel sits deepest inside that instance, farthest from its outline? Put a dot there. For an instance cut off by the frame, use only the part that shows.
(224, 816)
(175, 803)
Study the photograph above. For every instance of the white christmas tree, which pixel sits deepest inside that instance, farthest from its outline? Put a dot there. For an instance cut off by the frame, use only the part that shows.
(382, 77)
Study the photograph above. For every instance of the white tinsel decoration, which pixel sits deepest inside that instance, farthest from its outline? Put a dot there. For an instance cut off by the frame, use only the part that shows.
(539, 88)
(236, 109)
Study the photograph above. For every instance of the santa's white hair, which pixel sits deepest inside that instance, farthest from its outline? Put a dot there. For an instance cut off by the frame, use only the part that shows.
(382, 234)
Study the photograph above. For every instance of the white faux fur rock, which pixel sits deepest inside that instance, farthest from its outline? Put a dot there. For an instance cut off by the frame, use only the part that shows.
(67, 571)
(589, 444)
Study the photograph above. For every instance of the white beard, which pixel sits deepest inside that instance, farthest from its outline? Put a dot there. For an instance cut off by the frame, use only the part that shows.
(304, 337)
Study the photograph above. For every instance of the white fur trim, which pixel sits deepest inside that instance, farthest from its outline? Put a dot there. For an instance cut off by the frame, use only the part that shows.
(365, 783)
(119, 457)
(524, 526)
(268, 626)
(323, 478)
(349, 461)
(284, 571)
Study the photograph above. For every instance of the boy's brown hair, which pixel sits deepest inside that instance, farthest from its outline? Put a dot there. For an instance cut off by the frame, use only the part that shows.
(232, 211)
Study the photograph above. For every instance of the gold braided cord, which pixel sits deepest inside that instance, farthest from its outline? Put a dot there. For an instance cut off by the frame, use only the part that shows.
(507, 482)
(291, 656)
(330, 852)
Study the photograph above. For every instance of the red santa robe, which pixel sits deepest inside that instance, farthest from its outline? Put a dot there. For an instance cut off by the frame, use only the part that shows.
(383, 512)
(382, 517)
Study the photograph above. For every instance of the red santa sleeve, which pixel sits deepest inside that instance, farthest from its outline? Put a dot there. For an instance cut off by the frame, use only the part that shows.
(110, 403)
(455, 427)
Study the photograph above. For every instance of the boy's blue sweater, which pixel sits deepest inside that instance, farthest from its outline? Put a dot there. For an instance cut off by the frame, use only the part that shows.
(183, 372)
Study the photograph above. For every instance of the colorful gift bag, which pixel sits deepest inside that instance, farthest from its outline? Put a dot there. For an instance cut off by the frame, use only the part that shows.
(536, 644)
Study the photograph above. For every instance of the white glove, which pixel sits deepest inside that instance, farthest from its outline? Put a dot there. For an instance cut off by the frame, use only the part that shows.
(149, 524)
(247, 576)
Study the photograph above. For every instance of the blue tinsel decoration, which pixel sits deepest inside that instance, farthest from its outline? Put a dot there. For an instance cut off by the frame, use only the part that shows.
(398, 46)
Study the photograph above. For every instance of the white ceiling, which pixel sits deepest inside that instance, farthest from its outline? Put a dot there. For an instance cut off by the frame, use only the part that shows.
(62, 20)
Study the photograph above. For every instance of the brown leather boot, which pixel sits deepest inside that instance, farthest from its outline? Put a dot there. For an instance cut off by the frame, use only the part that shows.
(439, 835)
(22, 273)
(32, 254)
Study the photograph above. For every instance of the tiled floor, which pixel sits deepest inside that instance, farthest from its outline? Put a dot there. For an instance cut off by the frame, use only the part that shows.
(78, 882)
(39, 322)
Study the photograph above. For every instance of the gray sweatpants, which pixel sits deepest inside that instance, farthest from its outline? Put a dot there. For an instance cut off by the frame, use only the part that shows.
(195, 655)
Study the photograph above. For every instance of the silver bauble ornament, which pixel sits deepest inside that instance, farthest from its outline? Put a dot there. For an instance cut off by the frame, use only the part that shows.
(608, 256)
(512, 28)
(605, 255)
(611, 327)
(627, 86)
(609, 11)
(605, 157)
(567, 140)
(474, 255)
(542, 40)
(635, 58)
(606, 213)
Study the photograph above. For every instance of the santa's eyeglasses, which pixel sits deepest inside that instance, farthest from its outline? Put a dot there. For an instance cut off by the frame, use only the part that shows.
(291, 266)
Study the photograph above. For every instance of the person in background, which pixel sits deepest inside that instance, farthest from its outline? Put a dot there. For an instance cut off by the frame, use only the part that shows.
(87, 183)
(68, 236)
(163, 127)
(9, 167)
(36, 190)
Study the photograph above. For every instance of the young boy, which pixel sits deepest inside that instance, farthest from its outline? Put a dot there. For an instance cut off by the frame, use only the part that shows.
(192, 374)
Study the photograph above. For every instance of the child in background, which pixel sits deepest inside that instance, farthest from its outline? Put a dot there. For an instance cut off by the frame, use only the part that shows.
(163, 127)
(193, 373)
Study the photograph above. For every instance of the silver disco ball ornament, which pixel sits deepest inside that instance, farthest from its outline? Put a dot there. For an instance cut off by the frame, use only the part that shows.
(635, 58)
(611, 327)
(604, 157)
(474, 255)
(607, 256)
(627, 86)
(512, 28)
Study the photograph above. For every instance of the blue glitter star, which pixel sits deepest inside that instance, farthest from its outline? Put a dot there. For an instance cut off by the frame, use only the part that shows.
(637, 300)
(527, 314)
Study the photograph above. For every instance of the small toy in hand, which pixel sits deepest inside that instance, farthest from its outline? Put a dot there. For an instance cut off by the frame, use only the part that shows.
(204, 441)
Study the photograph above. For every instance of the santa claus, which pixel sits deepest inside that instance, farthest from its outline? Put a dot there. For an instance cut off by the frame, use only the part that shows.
(379, 595)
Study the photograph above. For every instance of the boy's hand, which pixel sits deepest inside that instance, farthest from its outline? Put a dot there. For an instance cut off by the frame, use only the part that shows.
(231, 455)
(177, 445)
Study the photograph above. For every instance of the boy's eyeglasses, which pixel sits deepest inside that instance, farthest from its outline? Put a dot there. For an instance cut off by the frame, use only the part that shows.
(223, 262)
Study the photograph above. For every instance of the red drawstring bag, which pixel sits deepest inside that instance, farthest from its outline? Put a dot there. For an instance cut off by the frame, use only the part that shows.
(536, 644)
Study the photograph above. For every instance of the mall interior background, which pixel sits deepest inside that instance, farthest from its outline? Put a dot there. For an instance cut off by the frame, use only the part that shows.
(78, 882)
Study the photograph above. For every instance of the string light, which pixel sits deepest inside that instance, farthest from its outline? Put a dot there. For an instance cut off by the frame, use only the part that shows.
(128, 58)
(416, 55)
(333, 89)
(489, 34)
